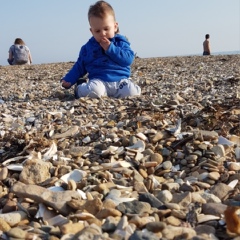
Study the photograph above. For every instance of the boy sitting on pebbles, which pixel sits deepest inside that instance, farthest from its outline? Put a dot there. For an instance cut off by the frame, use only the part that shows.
(106, 57)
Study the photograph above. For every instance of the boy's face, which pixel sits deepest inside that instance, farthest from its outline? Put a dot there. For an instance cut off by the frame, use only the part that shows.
(101, 28)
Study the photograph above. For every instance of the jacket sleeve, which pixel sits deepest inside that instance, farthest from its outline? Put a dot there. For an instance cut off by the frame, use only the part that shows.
(78, 70)
(121, 53)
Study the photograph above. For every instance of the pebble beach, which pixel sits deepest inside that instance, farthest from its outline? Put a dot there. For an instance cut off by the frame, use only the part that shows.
(160, 166)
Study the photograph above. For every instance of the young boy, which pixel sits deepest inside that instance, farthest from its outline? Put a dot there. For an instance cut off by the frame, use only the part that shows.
(106, 57)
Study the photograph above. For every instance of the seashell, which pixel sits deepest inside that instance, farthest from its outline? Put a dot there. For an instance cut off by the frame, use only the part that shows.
(58, 220)
(124, 188)
(51, 133)
(176, 168)
(82, 194)
(142, 136)
(44, 213)
(233, 183)
(76, 175)
(72, 185)
(110, 150)
(124, 164)
(72, 110)
(224, 141)
(15, 167)
(117, 200)
(222, 222)
(69, 133)
(237, 152)
(30, 120)
(120, 151)
(14, 160)
(86, 140)
(177, 130)
(205, 218)
(83, 216)
(56, 114)
(56, 188)
(156, 183)
(2, 133)
(138, 156)
(50, 153)
(139, 146)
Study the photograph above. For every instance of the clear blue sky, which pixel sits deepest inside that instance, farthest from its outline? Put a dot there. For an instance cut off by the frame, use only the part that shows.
(54, 30)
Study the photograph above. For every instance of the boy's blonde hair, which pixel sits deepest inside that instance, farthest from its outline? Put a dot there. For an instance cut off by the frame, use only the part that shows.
(100, 9)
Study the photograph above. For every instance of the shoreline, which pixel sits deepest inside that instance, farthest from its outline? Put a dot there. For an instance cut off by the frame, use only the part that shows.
(177, 56)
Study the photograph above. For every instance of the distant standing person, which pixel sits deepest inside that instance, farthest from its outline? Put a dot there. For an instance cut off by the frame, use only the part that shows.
(19, 53)
(106, 57)
(206, 45)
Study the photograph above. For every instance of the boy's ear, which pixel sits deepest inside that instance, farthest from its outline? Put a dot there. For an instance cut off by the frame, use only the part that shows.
(90, 30)
(116, 27)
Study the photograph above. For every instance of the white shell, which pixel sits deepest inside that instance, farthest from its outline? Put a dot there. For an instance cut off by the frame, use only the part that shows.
(75, 175)
(44, 213)
(72, 110)
(58, 220)
(56, 189)
(224, 141)
(139, 146)
(82, 194)
(14, 159)
(56, 114)
(15, 167)
(237, 152)
(205, 218)
(2, 133)
(142, 136)
(50, 153)
(233, 183)
(86, 139)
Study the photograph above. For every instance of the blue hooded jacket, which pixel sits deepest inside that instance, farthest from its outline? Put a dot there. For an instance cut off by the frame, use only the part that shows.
(109, 66)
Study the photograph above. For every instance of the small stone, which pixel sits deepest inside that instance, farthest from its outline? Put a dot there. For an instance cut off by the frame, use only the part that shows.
(3, 173)
(173, 221)
(156, 157)
(164, 196)
(4, 226)
(17, 233)
(214, 175)
(71, 228)
(155, 226)
(233, 166)
(167, 165)
(104, 213)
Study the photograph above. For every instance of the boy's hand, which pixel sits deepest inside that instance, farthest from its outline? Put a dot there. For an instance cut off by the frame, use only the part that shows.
(105, 43)
(65, 84)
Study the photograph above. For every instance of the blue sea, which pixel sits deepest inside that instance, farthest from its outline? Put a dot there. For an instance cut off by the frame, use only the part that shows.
(226, 53)
(214, 53)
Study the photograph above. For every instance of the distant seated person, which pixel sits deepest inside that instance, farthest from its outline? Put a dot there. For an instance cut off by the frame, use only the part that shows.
(19, 53)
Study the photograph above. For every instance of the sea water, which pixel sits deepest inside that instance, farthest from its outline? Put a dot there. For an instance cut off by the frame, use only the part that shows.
(226, 53)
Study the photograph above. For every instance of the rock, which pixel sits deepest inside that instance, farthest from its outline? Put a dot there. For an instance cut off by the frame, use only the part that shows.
(35, 171)
(56, 200)
(13, 218)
